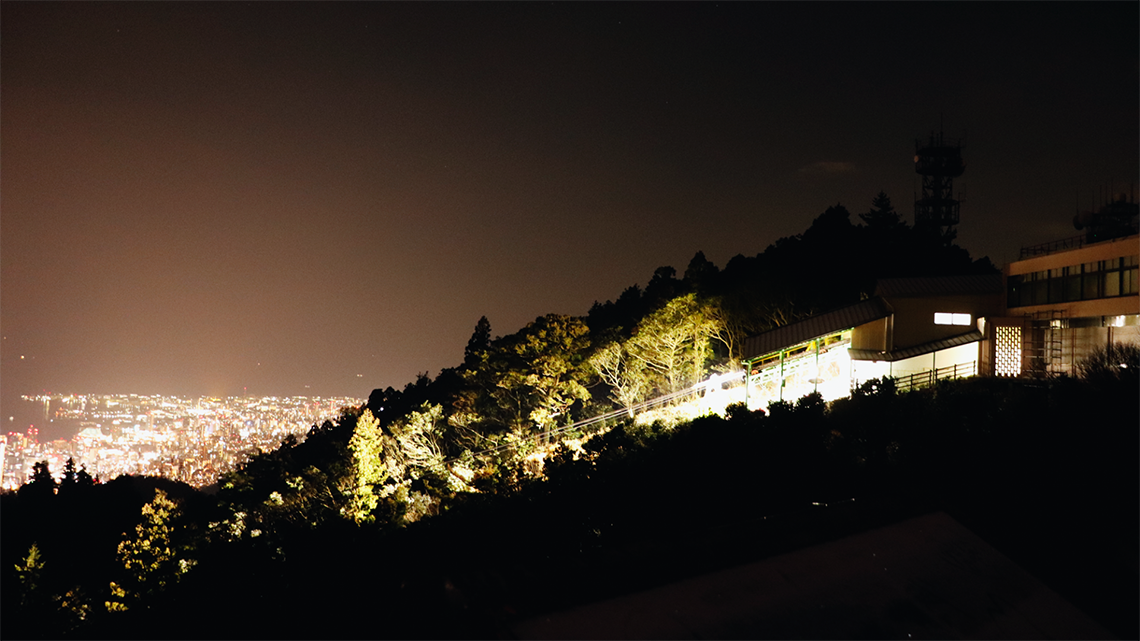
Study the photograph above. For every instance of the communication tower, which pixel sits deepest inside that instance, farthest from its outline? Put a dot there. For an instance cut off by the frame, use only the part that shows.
(939, 164)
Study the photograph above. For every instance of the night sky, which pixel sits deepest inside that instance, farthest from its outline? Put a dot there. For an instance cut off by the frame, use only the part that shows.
(323, 198)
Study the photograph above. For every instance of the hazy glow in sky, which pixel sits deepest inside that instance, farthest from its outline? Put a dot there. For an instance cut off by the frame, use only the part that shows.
(324, 198)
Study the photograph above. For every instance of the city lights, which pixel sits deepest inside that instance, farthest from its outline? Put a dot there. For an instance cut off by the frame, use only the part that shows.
(190, 440)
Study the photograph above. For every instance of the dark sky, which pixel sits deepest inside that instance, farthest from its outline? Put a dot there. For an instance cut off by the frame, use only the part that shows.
(324, 198)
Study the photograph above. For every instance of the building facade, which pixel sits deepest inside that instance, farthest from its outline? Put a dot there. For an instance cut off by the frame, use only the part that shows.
(1064, 300)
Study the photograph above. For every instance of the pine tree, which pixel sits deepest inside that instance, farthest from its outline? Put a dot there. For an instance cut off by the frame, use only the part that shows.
(69, 477)
(83, 478)
(368, 468)
(151, 558)
(478, 344)
(882, 214)
(29, 573)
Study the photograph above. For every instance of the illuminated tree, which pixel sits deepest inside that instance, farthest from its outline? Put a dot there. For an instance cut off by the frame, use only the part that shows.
(29, 573)
(369, 468)
(730, 326)
(673, 342)
(418, 439)
(387, 462)
(625, 375)
(151, 558)
(535, 375)
(510, 391)
(418, 473)
(551, 349)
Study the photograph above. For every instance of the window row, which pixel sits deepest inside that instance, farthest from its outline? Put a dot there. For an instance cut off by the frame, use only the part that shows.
(1101, 279)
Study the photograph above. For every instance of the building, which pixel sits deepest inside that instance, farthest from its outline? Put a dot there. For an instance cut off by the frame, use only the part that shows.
(1063, 300)
(1045, 313)
(915, 330)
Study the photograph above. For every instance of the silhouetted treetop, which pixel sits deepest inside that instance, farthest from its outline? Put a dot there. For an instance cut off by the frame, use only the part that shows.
(882, 214)
(700, 273)
(478, 343)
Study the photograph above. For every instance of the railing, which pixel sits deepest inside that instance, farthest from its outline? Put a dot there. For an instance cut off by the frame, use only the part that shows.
(920, 380)
(596, 423)
(1074, 242)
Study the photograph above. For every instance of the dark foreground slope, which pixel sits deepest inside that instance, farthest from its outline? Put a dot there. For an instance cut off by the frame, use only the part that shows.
(926, 577)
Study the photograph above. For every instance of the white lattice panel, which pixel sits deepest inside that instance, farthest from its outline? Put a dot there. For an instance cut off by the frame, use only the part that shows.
(1007, 351)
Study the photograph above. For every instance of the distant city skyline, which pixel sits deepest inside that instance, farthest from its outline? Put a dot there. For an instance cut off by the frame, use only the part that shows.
(193, 440)
(324, 198)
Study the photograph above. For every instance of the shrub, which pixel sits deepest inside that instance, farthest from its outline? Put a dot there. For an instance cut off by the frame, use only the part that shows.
(1117, 363)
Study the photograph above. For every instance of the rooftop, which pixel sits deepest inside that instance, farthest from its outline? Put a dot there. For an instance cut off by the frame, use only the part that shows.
(815, 326)
(939, 286)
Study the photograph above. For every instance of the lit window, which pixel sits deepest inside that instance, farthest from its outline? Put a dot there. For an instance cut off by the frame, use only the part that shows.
(946, 318)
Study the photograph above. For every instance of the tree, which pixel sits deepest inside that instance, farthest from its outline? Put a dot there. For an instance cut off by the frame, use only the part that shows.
(74, 480)
(882, 215)
(83, 478)
(369, 468)
(502, 379)
(662, 287)
(552, 351)
(41, 484)
(151, 558)
(700, 272)
(417, 437)
(416, 463)
(478, 344)
(69, 476)
(621, 314)
(391, 463)
(673, 342)
(730, 326)
(30, 575)
(625, 375)
(534, 375)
